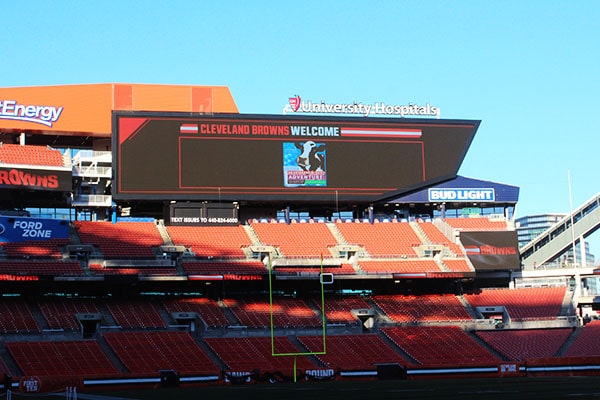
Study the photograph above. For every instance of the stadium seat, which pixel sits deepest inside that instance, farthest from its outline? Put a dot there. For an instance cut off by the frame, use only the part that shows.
(30, 155)
(287, 312)
(297, 240)
(382, 239)
(61, 358)
(440, 345)
(586, 343)
(353, 352)
(123, 240)
(524, 303)
(219, 242)
(523, 344)
(246, 354)
(423, 308)
(151, 352)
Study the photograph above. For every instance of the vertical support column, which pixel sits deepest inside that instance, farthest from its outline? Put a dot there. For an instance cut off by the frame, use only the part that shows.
(582, 257)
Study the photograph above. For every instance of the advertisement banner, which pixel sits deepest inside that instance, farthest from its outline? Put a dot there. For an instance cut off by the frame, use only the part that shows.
(492, 250)
(36, 179)
(20, 229)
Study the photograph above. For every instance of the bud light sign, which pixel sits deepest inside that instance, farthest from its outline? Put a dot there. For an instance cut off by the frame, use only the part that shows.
(19, 229)
(458, 195)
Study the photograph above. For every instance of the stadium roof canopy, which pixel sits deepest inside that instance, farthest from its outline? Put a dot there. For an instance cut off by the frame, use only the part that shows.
(462, 189)
(85, 111)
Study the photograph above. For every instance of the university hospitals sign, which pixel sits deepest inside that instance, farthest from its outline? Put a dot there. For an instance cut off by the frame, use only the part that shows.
(297, 105)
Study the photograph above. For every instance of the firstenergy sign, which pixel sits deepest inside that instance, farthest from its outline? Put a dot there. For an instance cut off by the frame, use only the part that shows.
(457, 195)
(38, 114)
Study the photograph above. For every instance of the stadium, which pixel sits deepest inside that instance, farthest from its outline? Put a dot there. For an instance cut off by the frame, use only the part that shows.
(153, 236)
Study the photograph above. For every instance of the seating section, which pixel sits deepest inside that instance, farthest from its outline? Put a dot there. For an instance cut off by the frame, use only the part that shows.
(60, 313)
(209, 310)
(246, 354)
(440, 345)
(211, 241)
(99, 269)
(408, 266)
(520, 345)
(40, 268)
(61, 358)
(586, 343)
(16, 317)
(135, 314)
(122, 240)
(231, 267)
(423, 308)
(522, 304)
(457, 264)
(48, 248)
(338, 310)
(150, 352)
(296, 239)
(287, 312)
(435, 236)
(390, 239)
(353, 352)
(476, 224)
(30, 155)
(343, 269)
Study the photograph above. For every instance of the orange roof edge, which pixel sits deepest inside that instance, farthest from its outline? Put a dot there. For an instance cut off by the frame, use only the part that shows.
(87, 108)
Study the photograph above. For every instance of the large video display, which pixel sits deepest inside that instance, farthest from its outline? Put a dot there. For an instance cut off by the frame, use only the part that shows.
(492, 250)
(266, 157)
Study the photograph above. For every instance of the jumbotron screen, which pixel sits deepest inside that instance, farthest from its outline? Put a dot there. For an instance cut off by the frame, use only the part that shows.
(236, 157)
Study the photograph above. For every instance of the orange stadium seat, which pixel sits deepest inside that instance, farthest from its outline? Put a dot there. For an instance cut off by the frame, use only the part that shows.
(30, 155)
(382, 239)
(423, 308)
(99, 269)
(353, 352)
(209, 310)
(338, 310)
(287, 312)
(452, 345)
(435, 236)
(586, 343)
(522, 304)
(61, 313)
(151, 352)
(476, 224)
(211, 241)
(457, 264)
(61, 358)
(407, 266)
(523, 344)
(121, 240)
(49, 248)
(40, 267)
(135, 314)
(246, 354)
(297, 239)
(241, 267)
(16, 317)
(343, 269)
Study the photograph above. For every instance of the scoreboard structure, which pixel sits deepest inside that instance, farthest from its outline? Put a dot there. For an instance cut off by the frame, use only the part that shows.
(242, 157)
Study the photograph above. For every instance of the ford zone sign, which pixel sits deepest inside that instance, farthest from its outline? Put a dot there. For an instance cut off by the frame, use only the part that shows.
(165, 156)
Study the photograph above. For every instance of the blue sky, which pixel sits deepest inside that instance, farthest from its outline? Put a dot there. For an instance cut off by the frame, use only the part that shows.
(529, 70)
